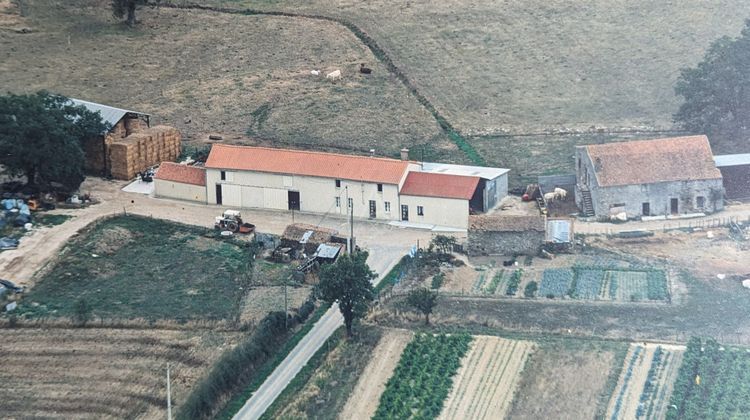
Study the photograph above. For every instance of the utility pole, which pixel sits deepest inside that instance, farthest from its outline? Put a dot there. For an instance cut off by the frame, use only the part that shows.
(169, 396)
(286, 304)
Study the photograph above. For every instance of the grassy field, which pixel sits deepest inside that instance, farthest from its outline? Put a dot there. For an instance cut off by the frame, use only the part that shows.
(232, 74)
(537, 66)
(135, 267)
(101, 373)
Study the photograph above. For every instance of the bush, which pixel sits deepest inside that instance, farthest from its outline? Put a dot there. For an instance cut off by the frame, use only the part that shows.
(82, 312)
(530, 289)
(234, 368)
(437, 280)
(305, 310)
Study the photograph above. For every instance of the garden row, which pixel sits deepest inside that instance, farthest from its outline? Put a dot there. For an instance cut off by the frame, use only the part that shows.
(713, 383)
(502, 282)
(593, 283)
(423, 378)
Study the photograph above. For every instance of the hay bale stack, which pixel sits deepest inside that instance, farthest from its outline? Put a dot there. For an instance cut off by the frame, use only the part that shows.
(143, 149)
(133, 125)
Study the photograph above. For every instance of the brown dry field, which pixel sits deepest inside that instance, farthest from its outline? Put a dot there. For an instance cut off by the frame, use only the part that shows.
(543, 65)
(101, 373)
(230, 74)
(365, 397)
(560, 382)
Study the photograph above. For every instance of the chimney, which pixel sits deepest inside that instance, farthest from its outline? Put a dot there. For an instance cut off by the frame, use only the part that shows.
(404, 154)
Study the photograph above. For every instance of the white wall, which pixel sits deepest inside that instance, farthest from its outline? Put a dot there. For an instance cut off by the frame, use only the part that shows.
(265, 190)
(437, 211)
(179, 191)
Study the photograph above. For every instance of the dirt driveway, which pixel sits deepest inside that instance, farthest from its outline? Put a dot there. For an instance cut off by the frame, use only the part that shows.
(384, 242)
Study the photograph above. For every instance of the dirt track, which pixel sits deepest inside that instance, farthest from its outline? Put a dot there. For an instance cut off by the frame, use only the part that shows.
(366, 395)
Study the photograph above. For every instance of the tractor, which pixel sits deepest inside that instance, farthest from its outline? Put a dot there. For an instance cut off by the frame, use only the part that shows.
(231, 221)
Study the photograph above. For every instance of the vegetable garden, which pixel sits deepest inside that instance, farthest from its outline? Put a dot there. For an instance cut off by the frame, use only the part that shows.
(423, 377)
(596, 283)
(713, 383)
(486, 382)
(645, 383)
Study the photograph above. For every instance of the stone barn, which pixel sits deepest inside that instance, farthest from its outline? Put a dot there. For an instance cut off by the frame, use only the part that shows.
(505, 235)
(648, 178)
(735, 171)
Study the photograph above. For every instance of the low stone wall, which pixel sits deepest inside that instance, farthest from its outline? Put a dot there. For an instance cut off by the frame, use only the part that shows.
(504, 243)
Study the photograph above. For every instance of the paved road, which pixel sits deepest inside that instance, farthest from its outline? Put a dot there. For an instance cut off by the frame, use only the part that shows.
(275, 384)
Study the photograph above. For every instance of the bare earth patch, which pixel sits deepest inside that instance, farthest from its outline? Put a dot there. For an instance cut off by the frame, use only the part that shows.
(485, 384)
(259, 301)
(365, 397)
(562, 383)
(100, 373)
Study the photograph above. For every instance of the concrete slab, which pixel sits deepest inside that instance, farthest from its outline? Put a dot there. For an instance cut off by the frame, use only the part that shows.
(140, 187)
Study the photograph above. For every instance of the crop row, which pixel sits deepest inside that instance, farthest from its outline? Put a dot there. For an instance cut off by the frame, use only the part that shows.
(713, 383)
(513, 283)
(626, 382)
(423, 378)
(592, 283)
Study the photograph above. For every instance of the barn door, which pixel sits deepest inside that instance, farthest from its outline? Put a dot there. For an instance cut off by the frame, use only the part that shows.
(293, 200)
(218, 193)
(674, 206)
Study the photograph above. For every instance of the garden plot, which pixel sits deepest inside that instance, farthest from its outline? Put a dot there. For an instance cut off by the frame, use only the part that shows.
(485, 384)
(423, 377)
(712, 383)
(593, 283)
(646, 381)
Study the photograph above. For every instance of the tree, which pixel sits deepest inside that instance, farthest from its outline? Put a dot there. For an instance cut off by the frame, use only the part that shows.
(717, 91)
(423, 300)
(443, 243)
(121, 8)
(348, 281)
(41, 137)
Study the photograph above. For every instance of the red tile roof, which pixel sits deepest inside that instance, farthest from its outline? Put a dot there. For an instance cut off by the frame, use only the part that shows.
(429, 184)
(298, 162)
(170, 171)
(651, 161)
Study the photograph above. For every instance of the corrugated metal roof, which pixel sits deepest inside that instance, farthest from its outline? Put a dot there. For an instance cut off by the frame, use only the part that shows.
(559, 231)
(732, 160)
(463, 170)
(109, 114)
(425, 184)
(300, 162)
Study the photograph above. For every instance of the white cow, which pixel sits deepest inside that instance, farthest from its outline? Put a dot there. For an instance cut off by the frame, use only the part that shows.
(315, 72)
(550, 196)
(334, 75)
(560, 193)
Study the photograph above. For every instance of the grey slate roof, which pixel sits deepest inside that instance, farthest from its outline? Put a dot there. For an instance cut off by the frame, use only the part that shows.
(109, 114)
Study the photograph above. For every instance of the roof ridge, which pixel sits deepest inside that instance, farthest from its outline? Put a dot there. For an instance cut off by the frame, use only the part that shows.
(314, 152)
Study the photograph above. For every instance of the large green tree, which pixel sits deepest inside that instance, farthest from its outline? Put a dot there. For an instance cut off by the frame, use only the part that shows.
(717, 91)
(41, 137)
(348, 281)
(126, 8)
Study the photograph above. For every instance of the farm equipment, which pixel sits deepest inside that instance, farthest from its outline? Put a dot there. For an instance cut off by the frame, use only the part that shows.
(231, 221)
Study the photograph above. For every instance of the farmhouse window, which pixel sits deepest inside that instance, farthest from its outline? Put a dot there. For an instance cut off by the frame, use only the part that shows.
(380, 187)
(223, 176)
(700, 201)
(338, 202)
(420, 211)
(387, 206)
(338, 183)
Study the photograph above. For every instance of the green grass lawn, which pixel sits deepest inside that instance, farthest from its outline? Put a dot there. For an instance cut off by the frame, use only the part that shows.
(136, 267)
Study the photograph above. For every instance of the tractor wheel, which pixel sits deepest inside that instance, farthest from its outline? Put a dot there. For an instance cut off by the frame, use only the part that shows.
(233, 226)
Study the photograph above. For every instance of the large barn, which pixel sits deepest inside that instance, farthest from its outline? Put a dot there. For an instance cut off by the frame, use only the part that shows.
(648, 178)
(329, 183)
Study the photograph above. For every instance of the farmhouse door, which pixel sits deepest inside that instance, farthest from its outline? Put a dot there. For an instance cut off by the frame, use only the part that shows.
(372, 209)
(674, 206)
(646, 209)
(218, 193)
(293, 200)
(404, 212)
